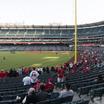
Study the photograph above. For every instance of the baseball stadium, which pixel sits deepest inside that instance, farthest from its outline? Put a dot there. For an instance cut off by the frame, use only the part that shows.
(56, 64)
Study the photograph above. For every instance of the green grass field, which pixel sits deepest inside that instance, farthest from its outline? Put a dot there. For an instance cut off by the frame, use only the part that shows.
(31, 58)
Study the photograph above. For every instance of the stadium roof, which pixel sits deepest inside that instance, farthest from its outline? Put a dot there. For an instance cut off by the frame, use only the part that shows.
(16, 26)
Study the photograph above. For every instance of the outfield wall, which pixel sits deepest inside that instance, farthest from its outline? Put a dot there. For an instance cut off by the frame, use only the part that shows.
(34, 47)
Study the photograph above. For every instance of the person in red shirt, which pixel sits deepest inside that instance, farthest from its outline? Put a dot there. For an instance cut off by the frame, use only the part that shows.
(26, 71)
(60, 75)
(49, 86)
(85, 69)
(2, 74)
(74, 68)
(6, 73)
(37, 85)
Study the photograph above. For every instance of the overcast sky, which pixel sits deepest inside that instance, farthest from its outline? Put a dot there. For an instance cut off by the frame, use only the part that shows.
(45, 12)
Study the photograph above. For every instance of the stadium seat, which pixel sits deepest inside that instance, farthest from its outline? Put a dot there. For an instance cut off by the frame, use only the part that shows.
(98, 92)
(85, 90)
(57, 100)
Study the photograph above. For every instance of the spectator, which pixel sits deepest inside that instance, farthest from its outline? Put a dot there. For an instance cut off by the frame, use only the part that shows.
(44, 69)
(15, 73)
(34, 76)
(47, 69)
(2, 74)
(40, 70)
(37, 85)
(85, 69)
(42, 94)
(20, 71)
(67, 91)
(26, 80)
(49, 86)
(6, 73)
(52, 69)
(26, 71)
(71, 65)
(100, 79)
(60, 75)
(31, 97)
(11, 73)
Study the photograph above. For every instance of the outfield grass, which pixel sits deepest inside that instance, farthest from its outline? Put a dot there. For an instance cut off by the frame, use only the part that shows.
(31, 58)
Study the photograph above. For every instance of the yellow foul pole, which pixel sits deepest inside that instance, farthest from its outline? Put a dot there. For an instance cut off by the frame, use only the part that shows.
(75, 34)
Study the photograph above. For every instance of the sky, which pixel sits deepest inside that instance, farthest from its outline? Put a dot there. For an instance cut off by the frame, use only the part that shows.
(46, 12)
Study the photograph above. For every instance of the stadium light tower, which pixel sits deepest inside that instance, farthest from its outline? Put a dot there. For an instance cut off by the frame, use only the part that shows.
(75, 33)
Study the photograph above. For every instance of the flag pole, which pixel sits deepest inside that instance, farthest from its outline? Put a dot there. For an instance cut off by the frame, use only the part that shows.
(75, 34)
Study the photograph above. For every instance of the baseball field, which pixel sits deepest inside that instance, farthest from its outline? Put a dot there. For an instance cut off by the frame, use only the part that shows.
(32, 58)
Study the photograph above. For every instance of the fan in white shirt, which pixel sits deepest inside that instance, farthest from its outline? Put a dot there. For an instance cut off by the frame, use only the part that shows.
(27, 80)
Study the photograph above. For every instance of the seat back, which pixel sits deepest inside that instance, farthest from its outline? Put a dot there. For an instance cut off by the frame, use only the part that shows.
(57, 100)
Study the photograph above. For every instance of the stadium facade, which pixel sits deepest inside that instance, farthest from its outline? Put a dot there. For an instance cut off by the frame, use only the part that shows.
(22, 37)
